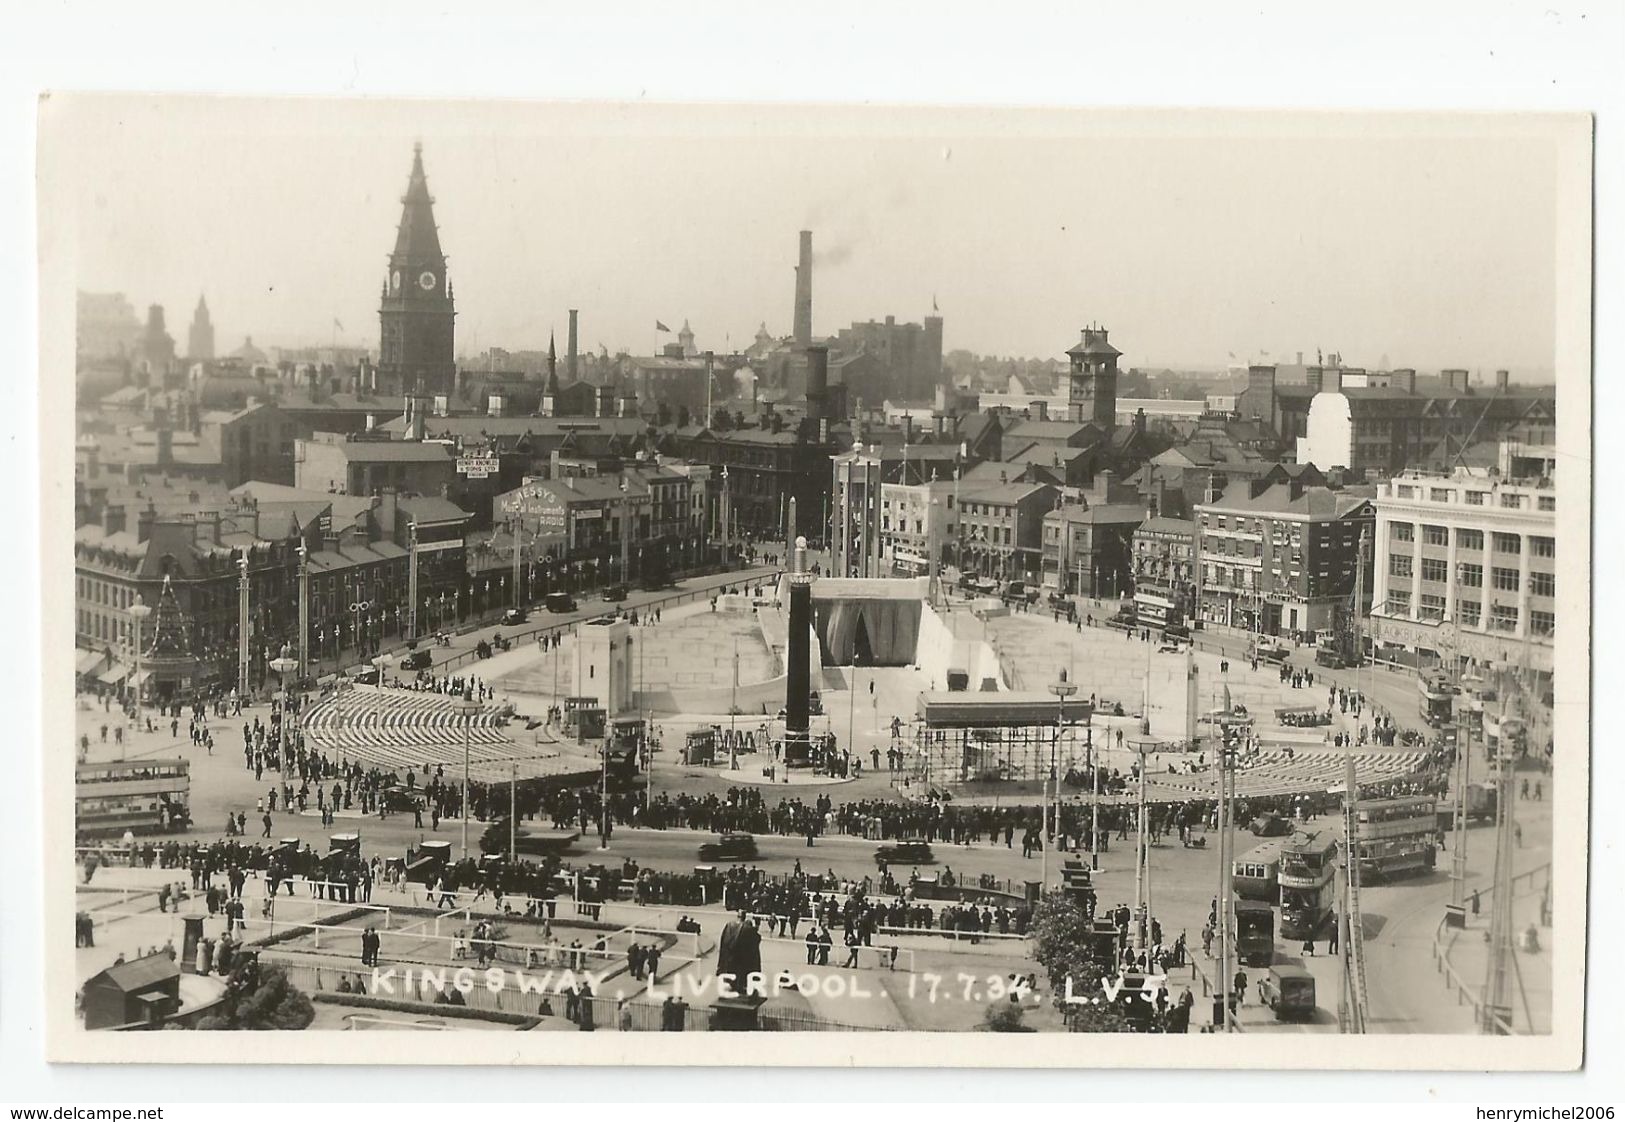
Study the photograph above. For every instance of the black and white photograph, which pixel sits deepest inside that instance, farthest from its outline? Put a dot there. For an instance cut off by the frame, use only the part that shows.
(886, 574)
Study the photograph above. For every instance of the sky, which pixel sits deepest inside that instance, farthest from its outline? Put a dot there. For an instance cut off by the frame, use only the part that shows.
(1196, 239)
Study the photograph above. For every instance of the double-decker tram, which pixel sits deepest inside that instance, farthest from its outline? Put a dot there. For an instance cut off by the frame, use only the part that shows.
(142, 796)
(1396, 836)
(1307, 878)
(1436, 699)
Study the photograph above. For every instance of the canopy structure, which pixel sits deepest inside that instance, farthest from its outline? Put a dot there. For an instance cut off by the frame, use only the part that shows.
(997, 742)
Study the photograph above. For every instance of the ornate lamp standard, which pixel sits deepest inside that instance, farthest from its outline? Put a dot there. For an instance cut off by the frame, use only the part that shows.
(358, 615)
(138, 612)
(1062, 689)
(282, 666)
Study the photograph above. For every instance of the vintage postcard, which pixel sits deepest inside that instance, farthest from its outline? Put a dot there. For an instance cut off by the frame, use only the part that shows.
(935, 582)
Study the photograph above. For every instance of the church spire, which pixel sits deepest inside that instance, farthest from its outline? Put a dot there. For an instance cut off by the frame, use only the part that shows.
(552, 365)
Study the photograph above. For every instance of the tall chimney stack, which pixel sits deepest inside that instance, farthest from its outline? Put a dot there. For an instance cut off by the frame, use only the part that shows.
(570, 363)
(803, 317)
(817, 383)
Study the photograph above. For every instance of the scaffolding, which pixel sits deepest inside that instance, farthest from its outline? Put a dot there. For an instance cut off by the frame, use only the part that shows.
(997, 744)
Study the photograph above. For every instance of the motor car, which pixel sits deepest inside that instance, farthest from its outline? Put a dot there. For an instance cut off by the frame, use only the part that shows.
(1272, 653)
(615, 593)
(418, 660)
(912, 851)
(367, 677)
(560, 602)
(515, 615)
(1270, 825)
(400, 797)
(1290, 991)
(730, 847)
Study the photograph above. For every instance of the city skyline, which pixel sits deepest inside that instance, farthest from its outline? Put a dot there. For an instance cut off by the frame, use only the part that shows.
(1362, 268)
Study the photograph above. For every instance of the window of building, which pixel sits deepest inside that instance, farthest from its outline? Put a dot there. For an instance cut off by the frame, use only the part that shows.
(1435, 535)
(1399, 603)
(1439, 494)
(1470, 612)
(1431, 607)
(1399, 565)
(1547, 502)
(1435, 568)
(1403, 531)
(1542, 623)
(1476, 498)
(1542, 547)
(1406, 492)
(1507, 543)
(1511, 500)
(1469, 539)
(1504, 617)
(1470, 576)
(1505, 580)
(1543, 584)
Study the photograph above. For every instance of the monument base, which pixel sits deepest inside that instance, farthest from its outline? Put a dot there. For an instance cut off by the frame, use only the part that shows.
(736, 1014)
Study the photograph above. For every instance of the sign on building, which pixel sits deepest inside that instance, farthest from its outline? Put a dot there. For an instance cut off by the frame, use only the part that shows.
(478, 467)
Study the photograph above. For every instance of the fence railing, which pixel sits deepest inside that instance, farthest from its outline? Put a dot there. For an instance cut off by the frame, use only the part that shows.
(1465, 992)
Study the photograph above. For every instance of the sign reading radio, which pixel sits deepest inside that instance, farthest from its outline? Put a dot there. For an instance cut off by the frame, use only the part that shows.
(540, 503)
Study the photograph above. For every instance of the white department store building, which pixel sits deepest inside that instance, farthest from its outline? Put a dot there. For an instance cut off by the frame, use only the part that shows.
(1466, 563)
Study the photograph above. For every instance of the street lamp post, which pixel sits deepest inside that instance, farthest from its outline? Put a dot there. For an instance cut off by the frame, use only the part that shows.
(467, 708)
(1094, 804)
(381, 664)
(138, 612)
(282, 666)
(1142, 858)
(1062, 689)
(242, 627)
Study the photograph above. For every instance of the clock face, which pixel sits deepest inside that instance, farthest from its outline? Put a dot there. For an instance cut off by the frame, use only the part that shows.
(395, 280)
(426, 281)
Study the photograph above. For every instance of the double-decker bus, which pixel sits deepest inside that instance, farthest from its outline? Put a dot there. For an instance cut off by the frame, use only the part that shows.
(1396, 836)
(1307, 876)
(1256, 873)
(142, 796)
(1436, 699)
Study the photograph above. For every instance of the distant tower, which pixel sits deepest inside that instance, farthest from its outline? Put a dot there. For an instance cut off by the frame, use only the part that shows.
(415, 350)
(1092, 390)
(803, 311)
(685, 339)
(550, 391)
(931, 359)
(157, 348)
(200, 338)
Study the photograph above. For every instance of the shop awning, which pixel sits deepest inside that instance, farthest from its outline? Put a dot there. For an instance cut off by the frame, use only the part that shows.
(86, 661)
(112, 674)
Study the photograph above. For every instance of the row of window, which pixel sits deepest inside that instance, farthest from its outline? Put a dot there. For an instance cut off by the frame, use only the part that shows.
(1503, 617)
(1508, 500)
(1473, 539)
(1437, 570)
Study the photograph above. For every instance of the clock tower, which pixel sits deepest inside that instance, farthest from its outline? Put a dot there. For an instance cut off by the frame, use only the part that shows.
(415, 347)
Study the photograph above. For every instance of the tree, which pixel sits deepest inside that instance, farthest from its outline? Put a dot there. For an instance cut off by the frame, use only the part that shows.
(1061, 937)
(1005, 1016)
(273, 1002)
